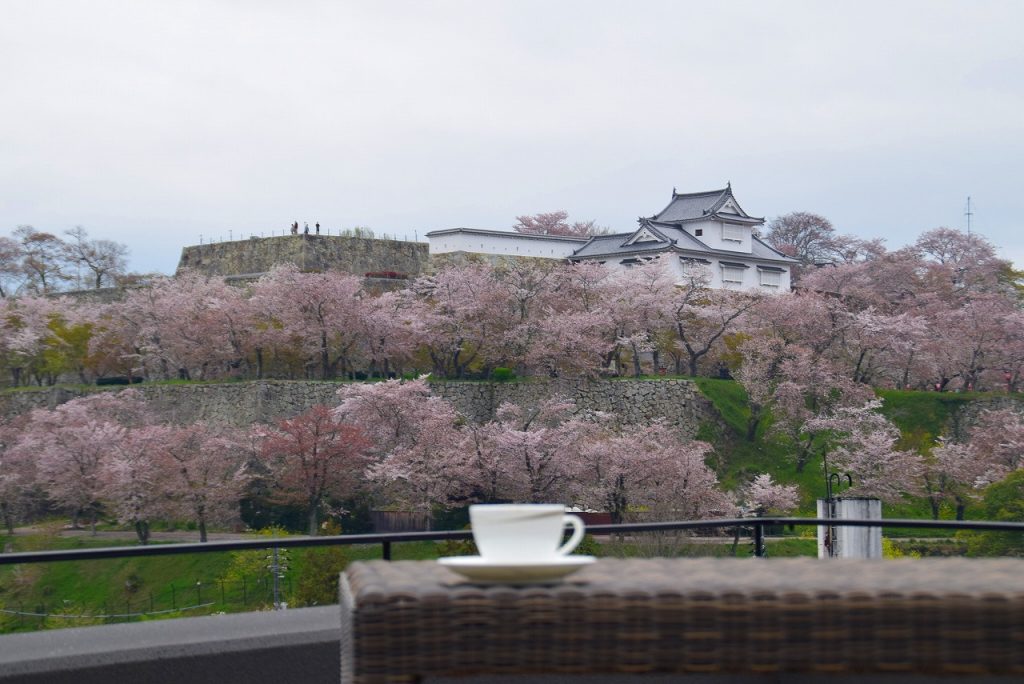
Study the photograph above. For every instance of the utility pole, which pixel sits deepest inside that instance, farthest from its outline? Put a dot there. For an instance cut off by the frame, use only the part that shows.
(968, 213)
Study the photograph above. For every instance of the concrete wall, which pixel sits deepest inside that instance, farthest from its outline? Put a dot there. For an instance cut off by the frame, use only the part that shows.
(502, 243)
(269, 647)
(309, 252)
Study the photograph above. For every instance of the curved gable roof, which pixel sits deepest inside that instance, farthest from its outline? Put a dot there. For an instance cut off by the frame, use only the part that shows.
(694, 206)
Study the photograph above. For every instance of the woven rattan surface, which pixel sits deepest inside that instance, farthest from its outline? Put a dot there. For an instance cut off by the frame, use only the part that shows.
(405, 620)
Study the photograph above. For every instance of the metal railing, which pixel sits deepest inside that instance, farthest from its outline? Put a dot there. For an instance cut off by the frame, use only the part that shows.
(756, 525)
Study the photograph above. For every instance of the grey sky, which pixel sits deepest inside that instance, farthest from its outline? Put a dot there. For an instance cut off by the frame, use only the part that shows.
(153, 123)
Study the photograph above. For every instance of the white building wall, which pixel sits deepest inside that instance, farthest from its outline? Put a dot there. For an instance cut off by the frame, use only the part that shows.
(750, 277)
(712, 236)
(511, 245)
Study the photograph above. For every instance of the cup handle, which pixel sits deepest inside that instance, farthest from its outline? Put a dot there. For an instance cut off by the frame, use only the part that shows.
(577, 534)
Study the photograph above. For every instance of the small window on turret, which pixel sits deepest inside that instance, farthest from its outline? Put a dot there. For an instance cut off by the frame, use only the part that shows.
(698, 232)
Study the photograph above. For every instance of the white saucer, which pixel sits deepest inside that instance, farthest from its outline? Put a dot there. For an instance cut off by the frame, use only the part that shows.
(515, 572)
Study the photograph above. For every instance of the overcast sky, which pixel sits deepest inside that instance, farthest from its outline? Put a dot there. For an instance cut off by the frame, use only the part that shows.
(155, 123)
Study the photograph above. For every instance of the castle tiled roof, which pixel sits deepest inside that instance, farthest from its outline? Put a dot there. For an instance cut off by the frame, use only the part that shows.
(693, 206)
(672, 238)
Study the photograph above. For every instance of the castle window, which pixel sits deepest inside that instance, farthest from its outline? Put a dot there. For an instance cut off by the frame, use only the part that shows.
(732, 233)
(732, 275)
(698, 232)
(770, 276)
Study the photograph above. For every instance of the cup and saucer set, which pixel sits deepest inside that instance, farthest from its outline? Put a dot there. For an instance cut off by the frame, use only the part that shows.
(519, 543)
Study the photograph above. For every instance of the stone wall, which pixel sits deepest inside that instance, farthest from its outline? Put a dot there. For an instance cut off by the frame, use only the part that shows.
(679, 402)
(309, 252)
(633, 402)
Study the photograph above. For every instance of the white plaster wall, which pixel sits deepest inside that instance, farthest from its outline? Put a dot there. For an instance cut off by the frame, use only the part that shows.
(751, 278)
(511, 244)
(712, 236)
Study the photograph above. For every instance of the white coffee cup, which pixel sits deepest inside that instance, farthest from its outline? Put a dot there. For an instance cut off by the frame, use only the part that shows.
(523, 532)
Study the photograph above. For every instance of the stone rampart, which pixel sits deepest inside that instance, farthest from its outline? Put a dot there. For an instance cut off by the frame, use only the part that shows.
(354, 255)
(678, 402)
(633, 402)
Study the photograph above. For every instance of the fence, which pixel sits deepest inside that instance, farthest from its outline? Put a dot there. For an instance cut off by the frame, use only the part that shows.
(197, 597)
(213, 595)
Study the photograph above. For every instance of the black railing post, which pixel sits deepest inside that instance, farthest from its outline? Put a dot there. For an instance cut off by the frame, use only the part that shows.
(386, 550)
(758, 539)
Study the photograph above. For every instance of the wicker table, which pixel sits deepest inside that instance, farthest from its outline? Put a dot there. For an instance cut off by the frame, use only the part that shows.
(406, 620)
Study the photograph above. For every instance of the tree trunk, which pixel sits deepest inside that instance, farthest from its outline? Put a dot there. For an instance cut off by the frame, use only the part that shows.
(325, 358)
(752, 422)
(8, 518)
(259, 363)
(142, 531)
(92, 522)
(202, 529)
(313, 519)
(960, 506)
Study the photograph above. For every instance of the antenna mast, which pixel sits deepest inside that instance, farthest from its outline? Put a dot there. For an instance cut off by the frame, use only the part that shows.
(968, 214)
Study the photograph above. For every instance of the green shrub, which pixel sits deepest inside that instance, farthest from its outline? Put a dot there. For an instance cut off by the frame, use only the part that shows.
(503, 374)
(1003, 502)
(318, 581)
(589, 546)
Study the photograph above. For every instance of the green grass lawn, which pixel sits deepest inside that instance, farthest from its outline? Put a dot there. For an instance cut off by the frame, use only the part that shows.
(920, 416)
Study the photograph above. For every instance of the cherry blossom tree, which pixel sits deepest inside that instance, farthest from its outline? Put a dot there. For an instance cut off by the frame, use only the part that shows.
(701, 317)
(952, 473)
(315, 457)
(317, 313)
(205, 473)
(463, 317)
(416, 458)
(183, 327)
(17, 473)
(577, 331)
(132, 480)
(998, 440)
(70, 446)
(810, 238)
(24, 322)
(862, 442)
(387, 334)
(811, 387)
(639, 307)
(643, 466)
(555, 223)
(526, 454)
(763, 495)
